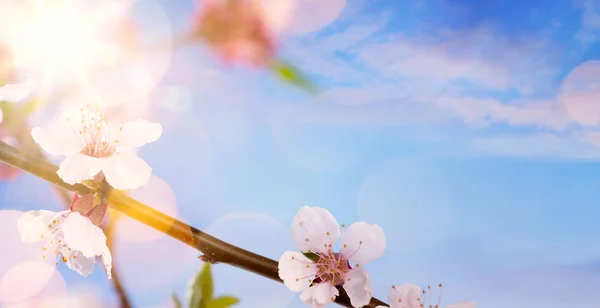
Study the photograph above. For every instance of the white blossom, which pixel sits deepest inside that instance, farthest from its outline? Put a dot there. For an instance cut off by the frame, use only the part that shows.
(412, 296)
(69, 236)
(95, 146)
(314, 230)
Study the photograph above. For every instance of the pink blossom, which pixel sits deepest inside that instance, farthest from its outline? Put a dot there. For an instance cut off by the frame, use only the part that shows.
(236, 30)
(314, 231)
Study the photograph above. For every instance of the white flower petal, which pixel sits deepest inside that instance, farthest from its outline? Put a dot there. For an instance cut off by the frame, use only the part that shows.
(135, 134)
(80, 234)
(79, 167)
(107, 261)
(358, 286)
(1, 116)
(57, 140)
(17, 92)
(125, 171)
(296, 271)
(463, 305)
(33, 225)
(314, 229)
(405, 296)
(81, 264)
(363, 242)
(320, 295)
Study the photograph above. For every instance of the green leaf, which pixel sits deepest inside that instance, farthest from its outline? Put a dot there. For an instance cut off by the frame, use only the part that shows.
(290, 74)
(313, 257)
(206, 281)
(176, 301)
(202, 289)
(223, 302)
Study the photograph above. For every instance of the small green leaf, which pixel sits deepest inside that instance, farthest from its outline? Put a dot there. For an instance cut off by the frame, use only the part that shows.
(202, 289)
(176, 301)
(206, 283)
(223, 302)
(289, 74)
(313, 257)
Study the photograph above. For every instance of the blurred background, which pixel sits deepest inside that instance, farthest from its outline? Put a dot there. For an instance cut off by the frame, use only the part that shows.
(468, 130)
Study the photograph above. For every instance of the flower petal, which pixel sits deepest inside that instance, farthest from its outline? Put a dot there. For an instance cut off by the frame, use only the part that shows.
(79, 167)
(407, 294)
(63, 136)
(358, 286)
(107, 261)
(82, 235)
(135, 134)
(17, 92)
(57, 140)
(319, 295)
(296, 271)
(81, 264)
(463, 305)
(33, 225)
(125, 171)
(363, 242)
(314, 229)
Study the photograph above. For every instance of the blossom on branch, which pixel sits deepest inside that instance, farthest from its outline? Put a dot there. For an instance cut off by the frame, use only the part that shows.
(411, 296)
(96, 148)
(318, 270)
(69, 236)
(236, 30)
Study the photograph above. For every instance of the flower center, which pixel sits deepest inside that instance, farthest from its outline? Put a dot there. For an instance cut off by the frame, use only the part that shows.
(332, 267)
(55, 244)
(94, 133)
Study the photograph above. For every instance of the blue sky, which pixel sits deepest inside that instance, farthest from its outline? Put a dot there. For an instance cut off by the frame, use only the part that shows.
(467, 129)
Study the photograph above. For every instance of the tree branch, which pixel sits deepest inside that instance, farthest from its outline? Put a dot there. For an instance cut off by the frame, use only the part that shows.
(210, 246)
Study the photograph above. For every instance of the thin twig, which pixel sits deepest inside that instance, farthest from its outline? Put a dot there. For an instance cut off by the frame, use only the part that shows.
(210, 246)
(109, 229)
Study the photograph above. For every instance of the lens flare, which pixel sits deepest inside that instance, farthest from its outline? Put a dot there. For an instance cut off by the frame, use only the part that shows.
(51, 39)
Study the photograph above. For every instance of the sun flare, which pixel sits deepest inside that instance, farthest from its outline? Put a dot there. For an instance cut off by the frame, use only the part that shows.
(55, 38)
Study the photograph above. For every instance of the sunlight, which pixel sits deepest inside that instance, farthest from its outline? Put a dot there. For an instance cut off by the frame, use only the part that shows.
(58, 37)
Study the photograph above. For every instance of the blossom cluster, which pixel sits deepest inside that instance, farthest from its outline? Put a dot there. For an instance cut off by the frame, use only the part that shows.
(98, 149)
(98, 153)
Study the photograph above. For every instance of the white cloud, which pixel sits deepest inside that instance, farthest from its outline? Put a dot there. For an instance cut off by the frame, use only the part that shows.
(436, 74)
(479, 77)
(536, 145)
(481, 112)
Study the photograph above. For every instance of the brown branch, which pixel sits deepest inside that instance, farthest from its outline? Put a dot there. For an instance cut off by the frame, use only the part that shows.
(210, 246)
